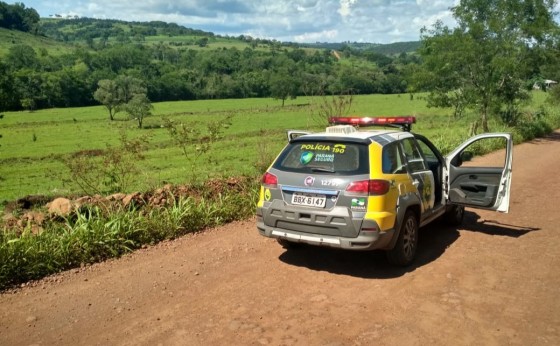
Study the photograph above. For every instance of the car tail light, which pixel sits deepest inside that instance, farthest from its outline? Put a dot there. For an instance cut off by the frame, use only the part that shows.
(270, 180)
(373, 187)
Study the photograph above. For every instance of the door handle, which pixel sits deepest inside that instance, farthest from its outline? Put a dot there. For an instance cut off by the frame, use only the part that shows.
(473, 176)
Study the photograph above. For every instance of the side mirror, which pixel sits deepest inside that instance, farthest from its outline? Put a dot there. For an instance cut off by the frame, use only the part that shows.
(293, 134)
(466, 156)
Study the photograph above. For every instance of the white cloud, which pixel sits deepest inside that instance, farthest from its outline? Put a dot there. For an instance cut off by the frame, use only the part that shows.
(323, 36)
(378, 21)
(345, 7)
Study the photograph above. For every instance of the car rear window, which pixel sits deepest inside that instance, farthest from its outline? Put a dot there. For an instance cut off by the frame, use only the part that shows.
(324, 157)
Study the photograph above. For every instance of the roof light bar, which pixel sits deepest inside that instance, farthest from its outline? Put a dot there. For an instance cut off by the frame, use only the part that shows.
(404, 122)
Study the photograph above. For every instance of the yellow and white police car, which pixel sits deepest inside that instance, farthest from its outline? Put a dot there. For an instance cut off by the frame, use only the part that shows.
(368, 190)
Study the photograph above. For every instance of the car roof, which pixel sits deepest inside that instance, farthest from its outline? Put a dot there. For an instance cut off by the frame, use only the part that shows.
(382, 137)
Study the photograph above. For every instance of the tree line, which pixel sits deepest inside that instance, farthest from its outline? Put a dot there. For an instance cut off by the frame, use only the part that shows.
(31, 79)
(18, 17)
(89, 29)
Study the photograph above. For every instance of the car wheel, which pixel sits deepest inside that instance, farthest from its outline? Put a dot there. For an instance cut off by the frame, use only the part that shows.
(454, 216)
(405, 249)
(286, 244)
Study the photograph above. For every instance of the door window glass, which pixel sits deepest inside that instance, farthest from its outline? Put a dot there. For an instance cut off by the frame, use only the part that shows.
(392, 162)
(413, 156)
(475, 155)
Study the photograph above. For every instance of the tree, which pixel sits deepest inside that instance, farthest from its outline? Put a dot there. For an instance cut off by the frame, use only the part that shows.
(8, 98)
(22, 56)
(138, 108)
(28, 88)
(115, 94)
(1, 117)
(128, 87)
(283, 86)
(284, 81)
(18, 17)
(107, 94)
(483, 63)
(202, 42)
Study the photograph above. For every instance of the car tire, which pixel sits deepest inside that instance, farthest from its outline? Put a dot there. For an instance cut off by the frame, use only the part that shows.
(405, 248)
(454, 216)
(286, 244)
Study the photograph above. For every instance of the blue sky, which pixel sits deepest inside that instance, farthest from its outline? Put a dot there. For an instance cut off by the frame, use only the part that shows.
(376, 21)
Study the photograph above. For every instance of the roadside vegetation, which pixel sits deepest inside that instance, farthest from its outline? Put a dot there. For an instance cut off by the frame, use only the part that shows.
(131, 108)
(97, 232)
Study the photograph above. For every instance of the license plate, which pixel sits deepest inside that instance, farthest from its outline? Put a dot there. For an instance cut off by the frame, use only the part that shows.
(309, 199)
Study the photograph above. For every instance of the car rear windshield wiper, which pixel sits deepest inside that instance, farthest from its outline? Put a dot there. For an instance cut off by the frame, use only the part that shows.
(319, 169)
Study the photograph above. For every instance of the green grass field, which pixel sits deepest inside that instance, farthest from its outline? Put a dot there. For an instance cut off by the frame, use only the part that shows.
(34, 143)
(9, 38)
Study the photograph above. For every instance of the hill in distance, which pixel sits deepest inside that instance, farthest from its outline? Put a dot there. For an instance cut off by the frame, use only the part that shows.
(386, 49)
(9, 38)
(89, 30)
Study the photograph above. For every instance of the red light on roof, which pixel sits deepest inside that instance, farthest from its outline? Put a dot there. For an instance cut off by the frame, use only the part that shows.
(405, 121)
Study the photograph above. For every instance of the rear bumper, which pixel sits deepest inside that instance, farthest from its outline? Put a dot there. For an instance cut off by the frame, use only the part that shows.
(366, 240)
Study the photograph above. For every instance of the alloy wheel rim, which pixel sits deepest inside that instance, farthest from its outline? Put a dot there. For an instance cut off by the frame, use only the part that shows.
(408, 238)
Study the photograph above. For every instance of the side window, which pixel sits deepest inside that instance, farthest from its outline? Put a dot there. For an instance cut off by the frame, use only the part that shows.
(392, 162)
(413, 156)
(432, 159)
(427, 151)
(468, 157)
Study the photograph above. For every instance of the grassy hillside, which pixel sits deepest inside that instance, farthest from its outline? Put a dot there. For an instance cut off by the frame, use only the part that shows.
(82, 30)
(68, 35)
(78, 30)
(9, 38)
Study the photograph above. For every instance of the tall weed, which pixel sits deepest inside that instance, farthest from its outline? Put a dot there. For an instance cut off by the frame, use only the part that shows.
(108, 171)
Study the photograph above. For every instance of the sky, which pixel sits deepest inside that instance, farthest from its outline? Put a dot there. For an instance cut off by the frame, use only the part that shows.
(374, 21)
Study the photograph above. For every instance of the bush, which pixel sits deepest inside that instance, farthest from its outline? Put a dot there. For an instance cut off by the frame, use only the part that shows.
(535, 124)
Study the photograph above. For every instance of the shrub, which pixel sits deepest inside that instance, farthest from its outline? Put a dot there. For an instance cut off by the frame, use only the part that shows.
(534, 124)
(108, 171)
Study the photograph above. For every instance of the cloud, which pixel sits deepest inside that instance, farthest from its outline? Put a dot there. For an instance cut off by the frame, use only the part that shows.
(327, 35)
(378, 21)
(345, 7)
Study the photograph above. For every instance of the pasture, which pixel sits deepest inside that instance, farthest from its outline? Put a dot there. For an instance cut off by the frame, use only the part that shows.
(34, 144)
(10, 38)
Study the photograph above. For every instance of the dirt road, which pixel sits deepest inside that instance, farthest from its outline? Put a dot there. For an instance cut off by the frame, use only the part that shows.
(494, 281)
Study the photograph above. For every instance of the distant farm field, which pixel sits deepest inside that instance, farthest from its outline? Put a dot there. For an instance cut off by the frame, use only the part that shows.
(34, 144)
